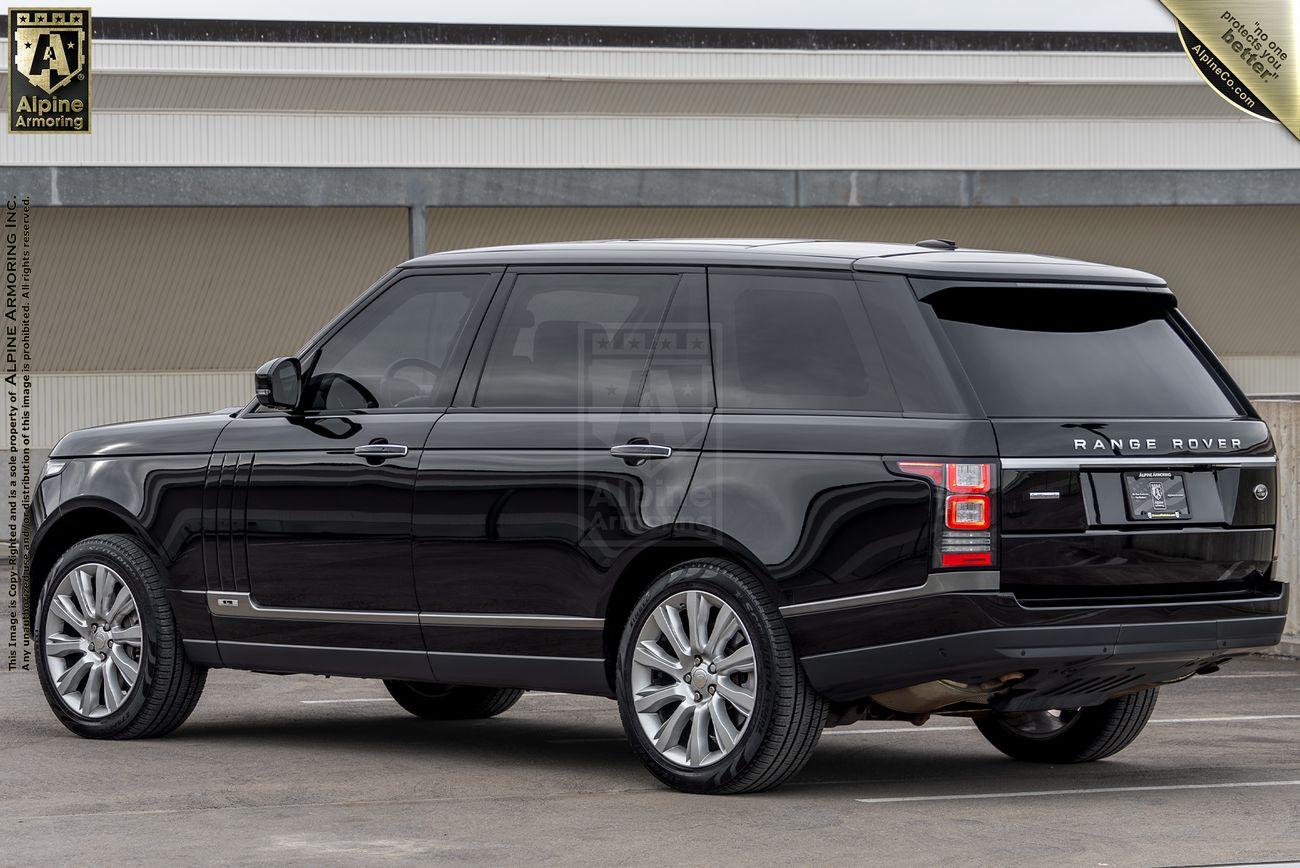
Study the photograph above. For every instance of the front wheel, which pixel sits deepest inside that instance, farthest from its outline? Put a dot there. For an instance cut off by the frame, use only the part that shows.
(1077, 735)
(112, 663)
(709, 690)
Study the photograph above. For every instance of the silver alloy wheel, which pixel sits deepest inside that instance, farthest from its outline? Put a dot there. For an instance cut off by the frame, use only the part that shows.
(93, 640)
(1041, 724)
(694, 678)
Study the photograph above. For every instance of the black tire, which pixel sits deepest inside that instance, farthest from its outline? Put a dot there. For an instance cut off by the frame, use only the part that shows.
(168, 684)
(1087, 734)
(452, 701)
(788, 715)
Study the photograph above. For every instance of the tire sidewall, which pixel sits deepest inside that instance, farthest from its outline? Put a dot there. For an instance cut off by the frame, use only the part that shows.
(98, 551)
(718, 582)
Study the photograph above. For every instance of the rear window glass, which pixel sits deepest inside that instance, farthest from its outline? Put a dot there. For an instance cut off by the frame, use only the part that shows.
(1056, 353)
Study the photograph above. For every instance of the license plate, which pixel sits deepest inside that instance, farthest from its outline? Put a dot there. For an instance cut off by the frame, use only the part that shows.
(1156, 496)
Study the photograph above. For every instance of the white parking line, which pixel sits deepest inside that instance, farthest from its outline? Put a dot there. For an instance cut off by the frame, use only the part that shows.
(1255, 675)
(1080, 792)
(1236, 717)
(338, 701)
(960, 727)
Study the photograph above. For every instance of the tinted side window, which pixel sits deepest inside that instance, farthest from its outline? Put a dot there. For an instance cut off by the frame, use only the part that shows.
(681, 366)
(396, 352)
(575, 340)
(784, 342)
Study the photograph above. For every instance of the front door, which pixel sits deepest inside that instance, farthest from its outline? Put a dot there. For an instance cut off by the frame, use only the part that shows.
(309, 511)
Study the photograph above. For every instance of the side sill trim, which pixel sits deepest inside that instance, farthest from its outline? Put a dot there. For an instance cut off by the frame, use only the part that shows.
(1138, 461)
(230, 604)
(936, 583)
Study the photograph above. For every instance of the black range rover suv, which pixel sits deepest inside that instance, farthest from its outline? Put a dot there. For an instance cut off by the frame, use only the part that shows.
(749, 488)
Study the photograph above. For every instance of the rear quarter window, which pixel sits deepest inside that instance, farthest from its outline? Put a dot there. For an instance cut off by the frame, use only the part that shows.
(795, 342)
(1068, 354)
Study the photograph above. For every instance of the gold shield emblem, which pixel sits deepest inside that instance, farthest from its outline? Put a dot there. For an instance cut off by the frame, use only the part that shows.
(50, 48)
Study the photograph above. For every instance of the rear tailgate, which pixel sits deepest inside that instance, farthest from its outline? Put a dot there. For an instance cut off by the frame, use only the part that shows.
(1079, 517)
(1131, 465)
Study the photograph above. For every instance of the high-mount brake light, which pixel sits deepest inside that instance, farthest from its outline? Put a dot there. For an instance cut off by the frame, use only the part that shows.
(964, 510)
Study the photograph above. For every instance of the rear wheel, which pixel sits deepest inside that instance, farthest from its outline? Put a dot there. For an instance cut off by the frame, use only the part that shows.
(452, 701)
(112, 664)
(1076, 735)
(709, 690)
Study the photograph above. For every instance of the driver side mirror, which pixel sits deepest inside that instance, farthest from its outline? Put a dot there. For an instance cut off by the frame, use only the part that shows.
(279, 384)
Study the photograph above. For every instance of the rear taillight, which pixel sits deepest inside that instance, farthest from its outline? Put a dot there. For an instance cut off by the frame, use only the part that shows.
(965, 510)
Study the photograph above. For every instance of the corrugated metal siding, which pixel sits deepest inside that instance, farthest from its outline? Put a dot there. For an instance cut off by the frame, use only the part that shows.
(215, 139)
(1266, 375)
(1201, 251)
(67, 402)
(198, 288)
(641, 63)
(376, 95)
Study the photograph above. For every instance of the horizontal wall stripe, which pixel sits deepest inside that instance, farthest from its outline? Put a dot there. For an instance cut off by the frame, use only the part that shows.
(216, 139)
(642, 64)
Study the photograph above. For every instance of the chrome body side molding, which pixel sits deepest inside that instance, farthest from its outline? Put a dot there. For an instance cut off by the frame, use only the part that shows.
(936, 583)
(1068, 463)
(229, 604)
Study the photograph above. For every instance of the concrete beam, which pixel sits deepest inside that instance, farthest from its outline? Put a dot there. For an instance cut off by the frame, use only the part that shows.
(86, 186)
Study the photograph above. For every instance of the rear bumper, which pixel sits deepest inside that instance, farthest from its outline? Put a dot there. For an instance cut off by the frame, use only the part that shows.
(1070, 657)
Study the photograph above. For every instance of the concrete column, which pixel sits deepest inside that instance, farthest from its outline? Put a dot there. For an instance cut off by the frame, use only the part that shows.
(1283, 418)
(417, 241)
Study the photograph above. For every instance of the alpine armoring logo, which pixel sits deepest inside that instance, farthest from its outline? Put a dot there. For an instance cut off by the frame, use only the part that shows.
(49, 71)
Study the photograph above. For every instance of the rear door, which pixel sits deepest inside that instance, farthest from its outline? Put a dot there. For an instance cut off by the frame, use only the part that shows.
(573, 439)
(1131, 465)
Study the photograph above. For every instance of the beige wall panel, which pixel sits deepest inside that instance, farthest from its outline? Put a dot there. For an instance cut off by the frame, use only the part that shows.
(1233, 268)
(160, 289)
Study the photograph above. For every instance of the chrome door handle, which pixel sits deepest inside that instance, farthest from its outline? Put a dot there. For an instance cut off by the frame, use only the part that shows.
(380, 450)
(641, 451)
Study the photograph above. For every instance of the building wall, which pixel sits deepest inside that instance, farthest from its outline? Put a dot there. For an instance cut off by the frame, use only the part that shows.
(1232, 267)
(1283, 419)
(204, 295)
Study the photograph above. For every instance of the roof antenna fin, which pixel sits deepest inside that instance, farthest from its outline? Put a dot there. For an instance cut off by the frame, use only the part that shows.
(938, 244)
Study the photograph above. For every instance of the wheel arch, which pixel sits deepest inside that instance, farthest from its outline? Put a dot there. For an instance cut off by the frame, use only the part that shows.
(650, 561)
(73, 523)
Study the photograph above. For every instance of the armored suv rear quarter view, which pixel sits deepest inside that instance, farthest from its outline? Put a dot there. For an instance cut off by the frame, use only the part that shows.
(748, 488)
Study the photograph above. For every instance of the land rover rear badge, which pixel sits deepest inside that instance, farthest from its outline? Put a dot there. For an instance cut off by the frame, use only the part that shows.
(1261, 492)
(1244, 50)
(49, 71)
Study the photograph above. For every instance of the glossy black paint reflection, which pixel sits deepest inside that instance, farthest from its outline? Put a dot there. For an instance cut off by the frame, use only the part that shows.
(178, 435)
(956, 614)
(1138, 561)
(535, 515)
(319, 527)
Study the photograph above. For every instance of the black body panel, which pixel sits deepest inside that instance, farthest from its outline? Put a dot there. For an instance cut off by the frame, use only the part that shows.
(319, 527)
(530, 513)
(179, 435)
(1071, 657)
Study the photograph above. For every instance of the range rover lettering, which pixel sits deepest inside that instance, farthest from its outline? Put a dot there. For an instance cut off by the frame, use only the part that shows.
(747, 488)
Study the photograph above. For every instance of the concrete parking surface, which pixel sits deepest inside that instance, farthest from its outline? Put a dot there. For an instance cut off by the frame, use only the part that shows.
(310, 771)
